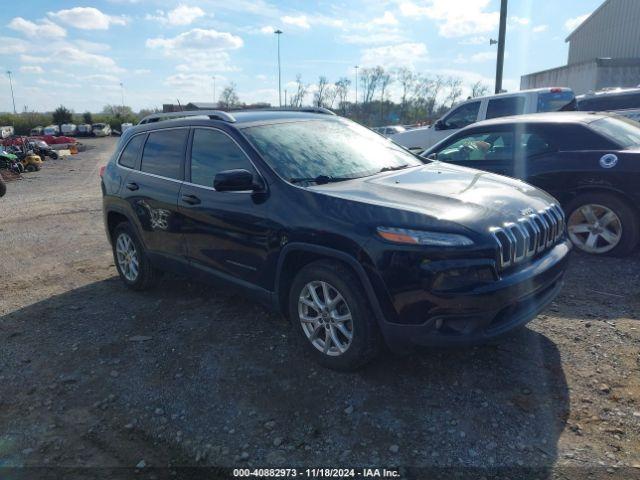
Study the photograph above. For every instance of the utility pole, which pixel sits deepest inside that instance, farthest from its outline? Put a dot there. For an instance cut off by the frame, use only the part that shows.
(285, 97)
(501, 40)
(12, 97)
(278, 33)
(122, 95)
(356, 67)
(214, 91)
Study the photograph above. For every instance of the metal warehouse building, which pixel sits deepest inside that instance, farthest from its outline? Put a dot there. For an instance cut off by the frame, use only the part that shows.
(604, 51)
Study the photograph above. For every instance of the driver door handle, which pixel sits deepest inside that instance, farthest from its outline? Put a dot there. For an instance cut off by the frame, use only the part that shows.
(190, 199)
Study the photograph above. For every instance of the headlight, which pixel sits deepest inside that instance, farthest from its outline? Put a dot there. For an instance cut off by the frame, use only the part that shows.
(422, 237)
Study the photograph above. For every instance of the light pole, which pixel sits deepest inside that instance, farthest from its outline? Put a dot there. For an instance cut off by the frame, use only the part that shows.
(12, 97)
(285, 97)
(278, 33)
(122, 95)
(356, 67)
(501, 39)
(214, 91)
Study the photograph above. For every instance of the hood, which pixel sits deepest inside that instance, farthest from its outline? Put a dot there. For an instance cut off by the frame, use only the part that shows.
(471, 198)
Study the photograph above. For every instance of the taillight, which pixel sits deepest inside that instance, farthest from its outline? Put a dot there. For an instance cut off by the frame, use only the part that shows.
(102, 170)
(556, 90)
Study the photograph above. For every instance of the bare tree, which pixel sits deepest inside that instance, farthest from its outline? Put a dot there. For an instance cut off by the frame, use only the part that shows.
(385, 81)
(332, 93)
(301, 91)
(342, 92)
(454, 87)
(319, 97)
(407, 79)
(370, 80)
(479, 89)
(229, 97)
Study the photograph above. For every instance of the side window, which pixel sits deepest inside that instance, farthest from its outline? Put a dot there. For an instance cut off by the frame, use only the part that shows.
(129, 155)
(462, 116)
(502, 107)
(163, 152)
(536, 143)
(479, 147)
(212, 152)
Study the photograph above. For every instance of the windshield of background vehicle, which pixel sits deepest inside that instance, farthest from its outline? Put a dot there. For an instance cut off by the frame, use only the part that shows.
(621, 130)
(332, 148)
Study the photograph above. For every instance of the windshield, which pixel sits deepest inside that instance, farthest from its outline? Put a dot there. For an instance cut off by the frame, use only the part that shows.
(621, 130)
(335, 149)
(556, 101)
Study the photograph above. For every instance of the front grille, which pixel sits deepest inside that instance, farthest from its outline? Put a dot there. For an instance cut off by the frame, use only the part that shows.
(529, 235)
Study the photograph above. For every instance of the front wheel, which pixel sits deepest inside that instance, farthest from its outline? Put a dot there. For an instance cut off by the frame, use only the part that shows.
(330, 310)
(131, 261)
(602, 224)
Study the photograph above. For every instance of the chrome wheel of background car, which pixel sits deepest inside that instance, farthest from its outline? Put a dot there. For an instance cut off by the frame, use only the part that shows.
(127, 257)
(594, 228)
(325, 318)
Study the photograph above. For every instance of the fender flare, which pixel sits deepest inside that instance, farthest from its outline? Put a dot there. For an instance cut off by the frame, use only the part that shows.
(121, 211)
(338, 255)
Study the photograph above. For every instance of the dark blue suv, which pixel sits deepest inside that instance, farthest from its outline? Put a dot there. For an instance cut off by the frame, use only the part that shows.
(356, 240)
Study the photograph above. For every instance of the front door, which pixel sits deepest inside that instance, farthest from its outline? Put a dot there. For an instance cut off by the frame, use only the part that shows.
(224, 231)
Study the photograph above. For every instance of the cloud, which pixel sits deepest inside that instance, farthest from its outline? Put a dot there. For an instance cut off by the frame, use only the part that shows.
(87, 18)
(572, 23)
(474, 41)
(181, 15)
(300, 21)
(75, 56)
(398, 55)
(43, 29)
(32, 69)
(519, 20)
(14, 45)
(372, 38)
(455, 18)
(479, 57)
(387, 18)
(540, 28)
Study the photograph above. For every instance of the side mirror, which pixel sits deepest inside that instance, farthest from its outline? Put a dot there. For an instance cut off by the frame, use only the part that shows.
(432, 156)
(440, 125)
(238, 180)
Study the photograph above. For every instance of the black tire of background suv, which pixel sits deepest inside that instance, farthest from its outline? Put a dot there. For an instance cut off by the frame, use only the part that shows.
(628, 217)
(367, 340)
(147, 274)
(3, 187)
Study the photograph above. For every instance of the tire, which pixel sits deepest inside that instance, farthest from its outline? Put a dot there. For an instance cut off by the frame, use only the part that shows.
(53, 155)
(3, 187)
(146, 275)
(31, 168)
(366, 340)
(625, 225)
(19, 167)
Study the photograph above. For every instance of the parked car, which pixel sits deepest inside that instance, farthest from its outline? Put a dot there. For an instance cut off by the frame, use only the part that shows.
(484, 108)
(84, 129)
(68, 129)
(36, 131)
(623, 101)
(6, 131)
(59, 140)
(589, 162)
(101, 129)
(354, 238)
(389, 130)
(51, 130)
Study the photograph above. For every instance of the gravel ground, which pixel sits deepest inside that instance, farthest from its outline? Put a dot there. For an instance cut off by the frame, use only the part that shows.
(94, 375)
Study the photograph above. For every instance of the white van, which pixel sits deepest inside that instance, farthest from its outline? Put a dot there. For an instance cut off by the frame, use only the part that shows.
(51, 130)
(101, 129)
(483, 108)
(68, 129)
(6, 131)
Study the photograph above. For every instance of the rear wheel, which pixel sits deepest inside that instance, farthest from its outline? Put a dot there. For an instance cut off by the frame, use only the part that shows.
(131, 261)
(602, 224)
(53, 155)
(31, 168)
(330, 311)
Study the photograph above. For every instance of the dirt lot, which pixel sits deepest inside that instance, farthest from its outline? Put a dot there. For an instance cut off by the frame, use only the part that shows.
(94, 375)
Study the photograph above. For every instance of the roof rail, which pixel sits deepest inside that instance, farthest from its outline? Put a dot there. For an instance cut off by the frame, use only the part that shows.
(212, 114)
(322, 110)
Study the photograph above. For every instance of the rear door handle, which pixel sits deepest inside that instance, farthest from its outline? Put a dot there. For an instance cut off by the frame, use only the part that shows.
(132, 186)
(190, 199)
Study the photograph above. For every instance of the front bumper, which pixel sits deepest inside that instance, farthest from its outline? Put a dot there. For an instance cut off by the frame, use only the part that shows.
(487, 311)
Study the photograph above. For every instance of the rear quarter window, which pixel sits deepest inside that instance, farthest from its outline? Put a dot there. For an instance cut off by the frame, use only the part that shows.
(129, 155)
(503, 107)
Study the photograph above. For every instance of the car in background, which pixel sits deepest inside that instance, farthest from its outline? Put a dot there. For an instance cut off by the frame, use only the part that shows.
(36, 131)
(590, 162)
(354, 238)
(389, 130)
(101, 129)
(84, 130)
(51, 130)
(485, 108)
(6, 131)
(623, 101)
(68, 129)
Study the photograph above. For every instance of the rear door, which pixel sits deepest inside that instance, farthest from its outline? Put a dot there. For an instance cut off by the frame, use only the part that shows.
(152, 191)
(225, 232)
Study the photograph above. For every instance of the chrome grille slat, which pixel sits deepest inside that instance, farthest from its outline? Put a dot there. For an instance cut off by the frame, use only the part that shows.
(530, 235)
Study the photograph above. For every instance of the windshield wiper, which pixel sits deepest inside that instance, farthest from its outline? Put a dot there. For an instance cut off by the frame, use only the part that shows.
(320, 179)
(391, 169)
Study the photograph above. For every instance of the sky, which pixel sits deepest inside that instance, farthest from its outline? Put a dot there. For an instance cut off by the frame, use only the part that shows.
(79, 53)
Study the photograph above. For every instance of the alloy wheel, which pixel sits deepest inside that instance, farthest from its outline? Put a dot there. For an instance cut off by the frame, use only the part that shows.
(127, 257)
(594, 228)
(325, 318)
